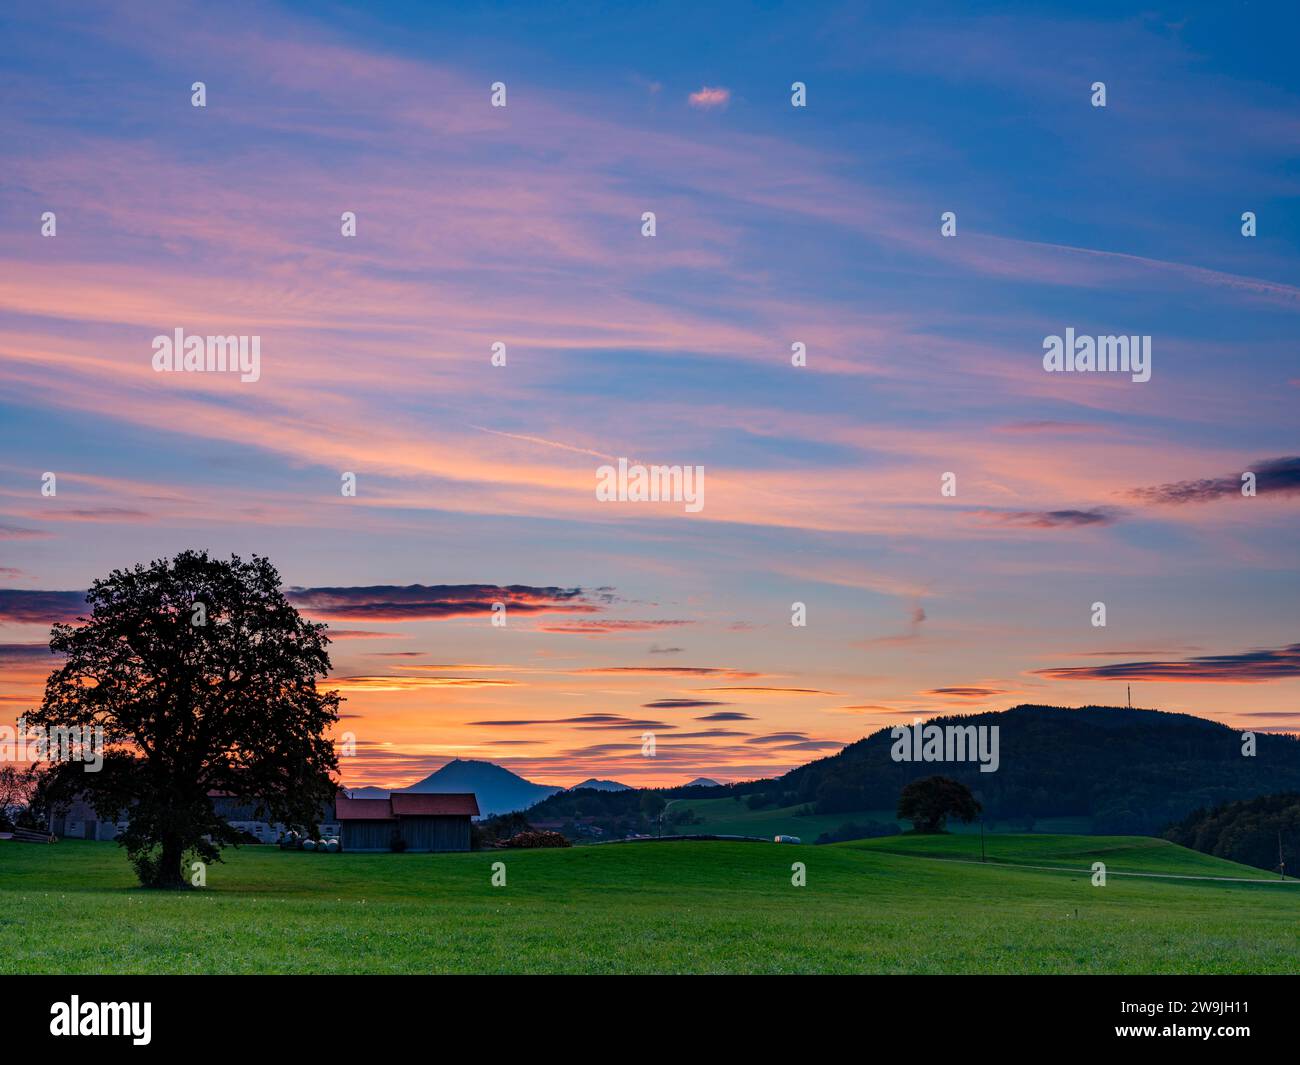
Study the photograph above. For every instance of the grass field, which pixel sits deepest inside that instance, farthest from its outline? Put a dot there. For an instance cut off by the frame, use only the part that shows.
(1121, 854)
(702, 907)
(726, 817)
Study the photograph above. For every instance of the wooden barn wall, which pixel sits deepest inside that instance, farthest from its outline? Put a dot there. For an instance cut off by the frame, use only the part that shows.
(435, 833)
(367, 835)
(420, 833)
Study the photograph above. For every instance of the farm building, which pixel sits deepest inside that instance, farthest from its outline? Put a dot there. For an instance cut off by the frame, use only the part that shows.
(422, 821)
(243, 814)
(77, 819)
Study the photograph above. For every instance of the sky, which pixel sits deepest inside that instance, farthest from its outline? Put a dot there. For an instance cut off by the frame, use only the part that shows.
(775, 225)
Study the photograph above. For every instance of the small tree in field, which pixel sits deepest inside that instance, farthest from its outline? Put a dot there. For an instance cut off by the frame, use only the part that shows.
(203, 678)
(929, 802)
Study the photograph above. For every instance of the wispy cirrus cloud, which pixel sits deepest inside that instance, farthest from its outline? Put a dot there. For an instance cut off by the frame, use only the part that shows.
(778, 691)
(35, 607)
(966, 693)
(1246, 667)
(582, 721)
(793, 741)
(419, 602)
(380, 683)
(1046, 427)
(27, 653)
(18, 532)
(675, 671)
(1273, 477)
(596, 627)
(1051, 519)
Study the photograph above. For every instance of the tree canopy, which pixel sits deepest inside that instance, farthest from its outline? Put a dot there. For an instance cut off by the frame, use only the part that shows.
(203, 678)
(930, 801)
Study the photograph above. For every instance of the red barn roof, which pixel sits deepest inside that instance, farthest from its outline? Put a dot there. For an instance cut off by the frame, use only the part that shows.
(406, 804)
(363, 809)
(424, 804)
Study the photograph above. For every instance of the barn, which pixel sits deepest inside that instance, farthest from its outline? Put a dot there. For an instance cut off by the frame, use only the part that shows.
(246, 815)
(424, 822)
(77, 819)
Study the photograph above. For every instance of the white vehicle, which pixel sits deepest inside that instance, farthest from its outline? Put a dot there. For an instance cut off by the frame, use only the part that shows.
(786, 839)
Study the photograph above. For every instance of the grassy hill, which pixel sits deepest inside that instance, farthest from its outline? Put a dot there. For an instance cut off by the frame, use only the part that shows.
(727, 817)
(652, 907)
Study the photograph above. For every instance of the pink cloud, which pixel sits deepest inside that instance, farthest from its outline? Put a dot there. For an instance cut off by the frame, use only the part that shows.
(708, 98)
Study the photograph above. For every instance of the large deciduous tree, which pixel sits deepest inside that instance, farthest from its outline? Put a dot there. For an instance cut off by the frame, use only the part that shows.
(203, 678)
(930, 801)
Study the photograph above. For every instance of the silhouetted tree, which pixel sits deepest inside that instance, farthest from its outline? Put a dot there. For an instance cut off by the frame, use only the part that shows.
(203, 677)
(930, 801)
(16, 786)
(652, 805)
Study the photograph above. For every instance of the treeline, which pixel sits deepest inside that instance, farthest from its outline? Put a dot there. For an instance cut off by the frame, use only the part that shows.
(1261, 832)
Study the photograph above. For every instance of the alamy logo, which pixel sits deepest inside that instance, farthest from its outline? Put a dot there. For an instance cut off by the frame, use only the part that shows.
(651, 484)
(103, 1018)
(946, 743)
(59, 743)
(1083, 354)
(219, 354)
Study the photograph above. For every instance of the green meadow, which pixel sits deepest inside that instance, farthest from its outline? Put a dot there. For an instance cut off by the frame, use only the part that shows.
(894, 905)
(727, 817)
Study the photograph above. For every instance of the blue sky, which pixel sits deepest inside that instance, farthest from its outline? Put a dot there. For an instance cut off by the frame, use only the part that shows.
(775, 224)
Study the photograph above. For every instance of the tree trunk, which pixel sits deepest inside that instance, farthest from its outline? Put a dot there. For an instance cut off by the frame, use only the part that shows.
(169, 873)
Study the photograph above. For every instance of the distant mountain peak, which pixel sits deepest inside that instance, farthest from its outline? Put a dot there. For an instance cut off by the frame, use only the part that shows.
(702, 782)
(498, 789)
(601, 785)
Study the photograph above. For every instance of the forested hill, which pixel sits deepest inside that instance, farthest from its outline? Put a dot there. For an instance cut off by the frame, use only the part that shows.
(1261, 832)
(1131, 771)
